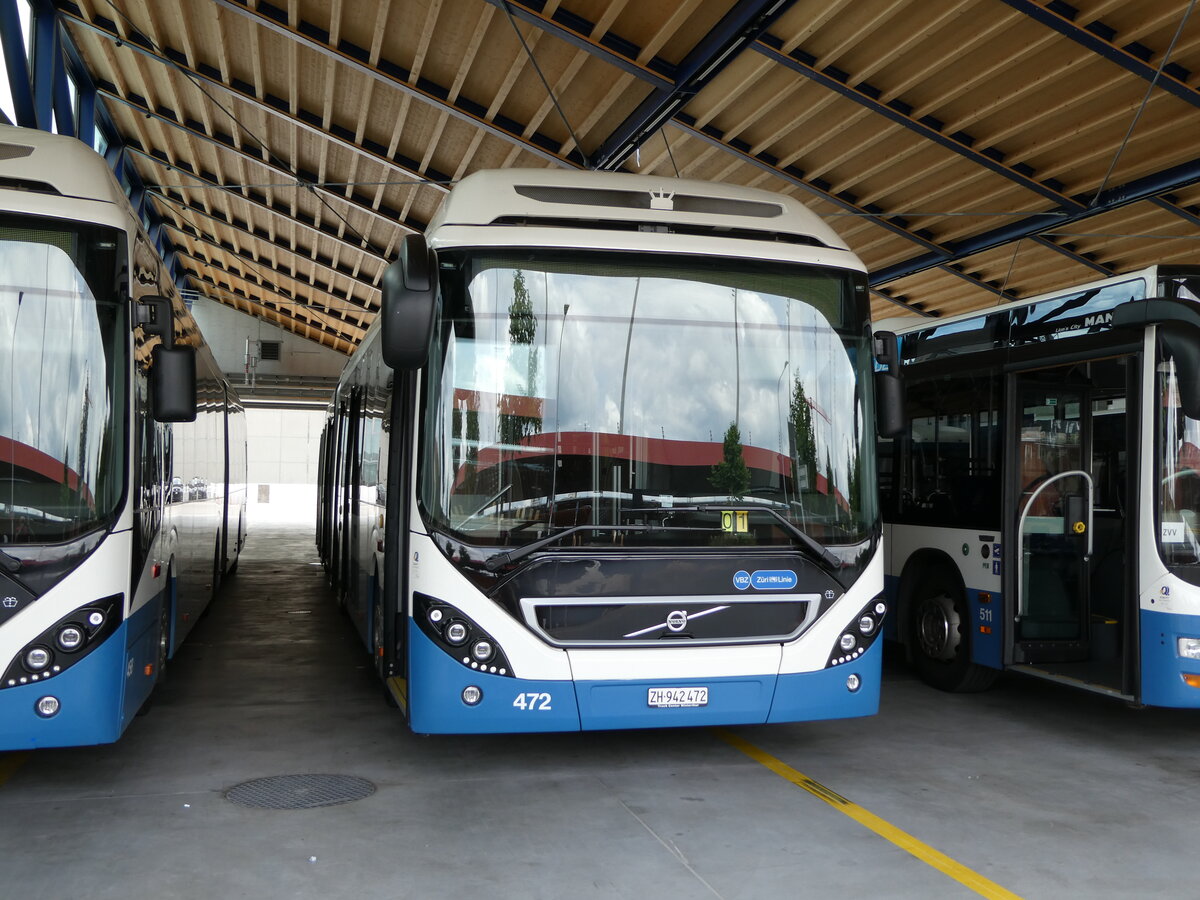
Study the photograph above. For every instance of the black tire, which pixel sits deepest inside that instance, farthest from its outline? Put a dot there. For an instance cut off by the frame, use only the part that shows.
(164, 642)
(161, 654)
(939, 635)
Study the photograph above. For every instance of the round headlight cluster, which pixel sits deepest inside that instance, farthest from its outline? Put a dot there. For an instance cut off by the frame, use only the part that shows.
(465, 640)
(857, 638)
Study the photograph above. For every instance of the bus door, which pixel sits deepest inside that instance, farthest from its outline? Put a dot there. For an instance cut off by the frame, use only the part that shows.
(1053, 514)
(1073, 454)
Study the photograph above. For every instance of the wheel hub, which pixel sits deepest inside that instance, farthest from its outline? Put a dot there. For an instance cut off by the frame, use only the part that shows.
(938, 628)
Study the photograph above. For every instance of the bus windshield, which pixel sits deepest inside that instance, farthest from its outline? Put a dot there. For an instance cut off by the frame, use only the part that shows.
(63, 351)
(689, 400)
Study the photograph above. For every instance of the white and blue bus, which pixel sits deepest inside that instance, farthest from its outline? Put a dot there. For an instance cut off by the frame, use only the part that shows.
(606, 460)
(1042, 500)
(122, 453)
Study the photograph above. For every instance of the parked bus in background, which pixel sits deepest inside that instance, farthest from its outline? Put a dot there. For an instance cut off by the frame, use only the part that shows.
(1042, 500)
(122, 453)
(606, 460)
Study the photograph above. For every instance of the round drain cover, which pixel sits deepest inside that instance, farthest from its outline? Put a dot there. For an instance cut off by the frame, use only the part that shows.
(300, 791)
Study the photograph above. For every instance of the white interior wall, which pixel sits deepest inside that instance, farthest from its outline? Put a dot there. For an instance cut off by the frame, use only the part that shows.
(227, 330)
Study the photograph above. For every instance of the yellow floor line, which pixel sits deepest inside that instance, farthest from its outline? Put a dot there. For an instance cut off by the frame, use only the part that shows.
(9, 763)
(884, 829)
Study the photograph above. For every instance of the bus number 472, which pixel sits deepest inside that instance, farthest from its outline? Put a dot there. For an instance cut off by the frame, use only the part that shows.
(533, 702)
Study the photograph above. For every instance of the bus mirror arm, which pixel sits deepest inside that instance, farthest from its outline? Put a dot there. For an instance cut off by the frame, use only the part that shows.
(172, 369)
(155, 316)
(409, 305)
(889, 389)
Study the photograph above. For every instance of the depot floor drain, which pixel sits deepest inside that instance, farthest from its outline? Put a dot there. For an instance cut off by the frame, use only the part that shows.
(299, 791)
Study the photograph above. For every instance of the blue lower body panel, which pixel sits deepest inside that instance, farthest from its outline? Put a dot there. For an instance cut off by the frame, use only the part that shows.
(1162, 667)
(809, 696)
(435, 704)
(436, 682)
(623, 704)
(90, 692)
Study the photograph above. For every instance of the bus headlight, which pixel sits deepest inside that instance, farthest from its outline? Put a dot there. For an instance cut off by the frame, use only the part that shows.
(69, 637)
(1188, 648)
(847, 642)
(37, 658)
(866, 624)
(456, 633)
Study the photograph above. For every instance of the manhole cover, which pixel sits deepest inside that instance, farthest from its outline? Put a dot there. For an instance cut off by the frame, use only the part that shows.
(300, 791)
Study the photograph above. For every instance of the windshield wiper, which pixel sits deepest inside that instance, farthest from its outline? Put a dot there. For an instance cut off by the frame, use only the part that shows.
(10, 562)
(498, 560)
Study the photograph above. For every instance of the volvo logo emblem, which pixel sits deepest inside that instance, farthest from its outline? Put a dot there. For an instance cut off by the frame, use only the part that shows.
(677, 620)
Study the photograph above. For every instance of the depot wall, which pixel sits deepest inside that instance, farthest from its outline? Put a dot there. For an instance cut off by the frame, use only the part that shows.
(228, 331)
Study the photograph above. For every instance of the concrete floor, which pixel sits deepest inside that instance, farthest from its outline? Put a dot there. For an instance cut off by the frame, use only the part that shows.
(1042, 791)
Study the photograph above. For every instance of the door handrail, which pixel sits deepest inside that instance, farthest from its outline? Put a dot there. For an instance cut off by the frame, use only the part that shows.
(1021, 594)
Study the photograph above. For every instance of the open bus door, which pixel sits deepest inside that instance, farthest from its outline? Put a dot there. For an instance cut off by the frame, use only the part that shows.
(1072, 611)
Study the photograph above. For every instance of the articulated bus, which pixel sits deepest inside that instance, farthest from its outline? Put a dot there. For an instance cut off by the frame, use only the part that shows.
(1042, 500)
(606, 460)
(122, 453)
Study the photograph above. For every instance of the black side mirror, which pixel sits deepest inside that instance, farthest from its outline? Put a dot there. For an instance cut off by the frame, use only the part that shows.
(889, 389)
(173, 384)
(172, 369)
(409, 305)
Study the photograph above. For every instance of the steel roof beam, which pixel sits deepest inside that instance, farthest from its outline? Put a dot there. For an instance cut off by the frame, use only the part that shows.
(16, 63)
(284, 270)
(226, 142)
(320, 229)
(844, 200)
(1073, 255)
(258, 202)
(1169, 204)
(302, 303)
(267, 305)
(898, 111)
(310, 255)
(738, 28)
(396, 76)
(1097, 37)
(577, 31)
(1135, 191)
(246, 93)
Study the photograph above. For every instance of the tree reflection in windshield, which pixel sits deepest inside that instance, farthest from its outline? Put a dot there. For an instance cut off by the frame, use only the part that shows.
(617, 389)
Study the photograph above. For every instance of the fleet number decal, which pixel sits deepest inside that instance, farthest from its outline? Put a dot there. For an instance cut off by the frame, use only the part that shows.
(533, 702)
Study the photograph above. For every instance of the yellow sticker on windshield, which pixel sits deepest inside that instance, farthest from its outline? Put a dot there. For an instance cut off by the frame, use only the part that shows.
(735, 521)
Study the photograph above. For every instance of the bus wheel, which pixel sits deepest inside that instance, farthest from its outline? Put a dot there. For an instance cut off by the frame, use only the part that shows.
(160, 655)
(940, 637)
(164, 642)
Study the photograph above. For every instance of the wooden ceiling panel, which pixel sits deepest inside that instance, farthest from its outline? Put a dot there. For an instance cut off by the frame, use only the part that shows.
(928, 136)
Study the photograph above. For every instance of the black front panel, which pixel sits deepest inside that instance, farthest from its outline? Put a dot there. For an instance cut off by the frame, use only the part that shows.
(704, 597)
(722, 619)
